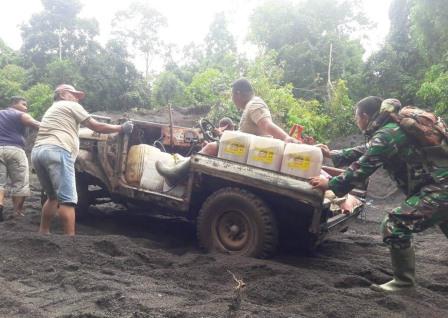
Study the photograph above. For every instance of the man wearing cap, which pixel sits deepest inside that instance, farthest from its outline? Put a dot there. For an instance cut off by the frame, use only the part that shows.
(55, 151)
(13, 160)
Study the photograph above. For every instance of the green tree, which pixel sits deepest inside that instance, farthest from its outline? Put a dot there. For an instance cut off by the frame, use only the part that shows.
(219, 41)
(302, 34)
(208, 87)
(39, 97)
(14, 73)
(7, 55)
(220, 47)
(168, 89)
(111, 82)
(340, 110)
(434, 90)
(57, 33)
(398, 68)
(307, 114)
(12, 80)
(63, 71)
(139, 26)
(429, 29)
(8, 89)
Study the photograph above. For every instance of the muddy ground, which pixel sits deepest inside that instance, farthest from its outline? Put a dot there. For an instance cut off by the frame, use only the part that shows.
(127, 264)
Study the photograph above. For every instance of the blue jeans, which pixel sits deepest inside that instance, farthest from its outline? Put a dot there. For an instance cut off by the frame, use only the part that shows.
(55, 169)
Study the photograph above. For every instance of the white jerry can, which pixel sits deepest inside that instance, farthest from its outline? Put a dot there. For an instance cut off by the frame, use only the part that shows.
(138, 155)
(302, 160)
(234, 146)
(140, 167)
(151, 179)
(266, 152)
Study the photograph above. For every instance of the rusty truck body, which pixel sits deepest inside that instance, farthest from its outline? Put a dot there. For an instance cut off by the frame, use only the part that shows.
(237, 208)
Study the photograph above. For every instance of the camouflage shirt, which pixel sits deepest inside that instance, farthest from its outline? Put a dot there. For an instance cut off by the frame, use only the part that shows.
(393, 150)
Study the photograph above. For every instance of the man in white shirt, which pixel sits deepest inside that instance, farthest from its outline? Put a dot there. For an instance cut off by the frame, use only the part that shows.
(55, 151)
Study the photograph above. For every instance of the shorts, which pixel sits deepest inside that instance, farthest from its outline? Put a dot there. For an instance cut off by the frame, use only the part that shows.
(14, 165)
(55, 169)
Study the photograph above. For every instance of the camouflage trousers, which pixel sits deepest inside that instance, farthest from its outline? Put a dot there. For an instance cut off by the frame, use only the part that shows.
(427, 208)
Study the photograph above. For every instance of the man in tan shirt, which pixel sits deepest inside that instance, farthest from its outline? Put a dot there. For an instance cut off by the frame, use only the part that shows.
(256, 118)
(55, 151)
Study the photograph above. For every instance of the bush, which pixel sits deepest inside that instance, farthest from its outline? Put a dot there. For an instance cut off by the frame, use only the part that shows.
(40, 98)
(168, 88)
(208, 88)
(434, 90)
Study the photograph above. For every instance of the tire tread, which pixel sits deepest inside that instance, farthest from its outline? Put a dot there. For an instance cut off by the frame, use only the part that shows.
(269, 223)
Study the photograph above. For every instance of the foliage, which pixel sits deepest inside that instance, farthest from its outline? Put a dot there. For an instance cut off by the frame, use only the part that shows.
(340, 110)
(7, 55)
(306, 113)
(285, 108)
(434, 90)
(302, 35)
(429, 28)
(7, 90)
(139, 25)
(209, 87)
(57, 33)
(14, 73)
(266, 75)
(168, 89)
(63, 71)
(112, 84)
(398, 68)
(39, 97)
(220, 47)
(289, 69)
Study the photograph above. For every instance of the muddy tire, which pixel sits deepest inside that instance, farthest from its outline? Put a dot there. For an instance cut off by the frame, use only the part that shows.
(235, 221)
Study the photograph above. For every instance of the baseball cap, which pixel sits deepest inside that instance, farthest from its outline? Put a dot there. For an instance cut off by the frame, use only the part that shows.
(69, 88)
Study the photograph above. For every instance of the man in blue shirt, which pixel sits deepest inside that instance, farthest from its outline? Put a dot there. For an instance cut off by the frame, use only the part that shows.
(13, 160)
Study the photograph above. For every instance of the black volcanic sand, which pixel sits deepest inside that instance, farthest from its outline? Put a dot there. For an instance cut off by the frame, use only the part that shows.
(126, 264)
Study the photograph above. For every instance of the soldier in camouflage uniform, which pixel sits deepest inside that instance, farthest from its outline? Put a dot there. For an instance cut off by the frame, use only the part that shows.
(423, 180)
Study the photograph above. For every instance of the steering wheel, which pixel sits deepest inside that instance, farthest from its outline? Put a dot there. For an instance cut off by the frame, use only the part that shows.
(208, 130)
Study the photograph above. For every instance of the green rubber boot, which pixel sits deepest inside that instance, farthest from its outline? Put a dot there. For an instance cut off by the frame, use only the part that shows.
(173, 174)
(403, 264)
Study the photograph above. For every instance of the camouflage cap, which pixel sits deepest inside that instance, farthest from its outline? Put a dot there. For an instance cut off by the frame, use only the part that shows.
(390, 105)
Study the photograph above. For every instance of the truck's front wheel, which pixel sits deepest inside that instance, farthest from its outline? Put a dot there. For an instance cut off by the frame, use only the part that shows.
(235, 221)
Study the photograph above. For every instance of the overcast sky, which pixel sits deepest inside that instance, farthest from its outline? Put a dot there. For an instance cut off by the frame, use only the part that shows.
(188, 20)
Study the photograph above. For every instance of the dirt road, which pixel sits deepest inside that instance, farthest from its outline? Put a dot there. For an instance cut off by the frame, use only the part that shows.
(137, 266)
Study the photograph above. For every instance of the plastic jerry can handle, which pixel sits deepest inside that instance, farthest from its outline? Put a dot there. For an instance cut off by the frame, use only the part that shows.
(296, 131)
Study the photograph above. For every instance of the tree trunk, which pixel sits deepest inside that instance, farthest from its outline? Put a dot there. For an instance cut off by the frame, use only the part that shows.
(329, 84)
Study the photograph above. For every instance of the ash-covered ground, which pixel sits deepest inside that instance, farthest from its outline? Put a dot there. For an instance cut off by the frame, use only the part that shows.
(123, 263)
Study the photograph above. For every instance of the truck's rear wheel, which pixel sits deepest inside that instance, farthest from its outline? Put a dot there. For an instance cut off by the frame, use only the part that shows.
(235, 221)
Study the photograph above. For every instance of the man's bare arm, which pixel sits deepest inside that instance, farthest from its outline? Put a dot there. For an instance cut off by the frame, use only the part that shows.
(29, 121)
(268, 127)
(100, 127)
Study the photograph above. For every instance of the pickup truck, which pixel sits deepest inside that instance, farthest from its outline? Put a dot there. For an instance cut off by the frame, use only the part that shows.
(237, 208)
